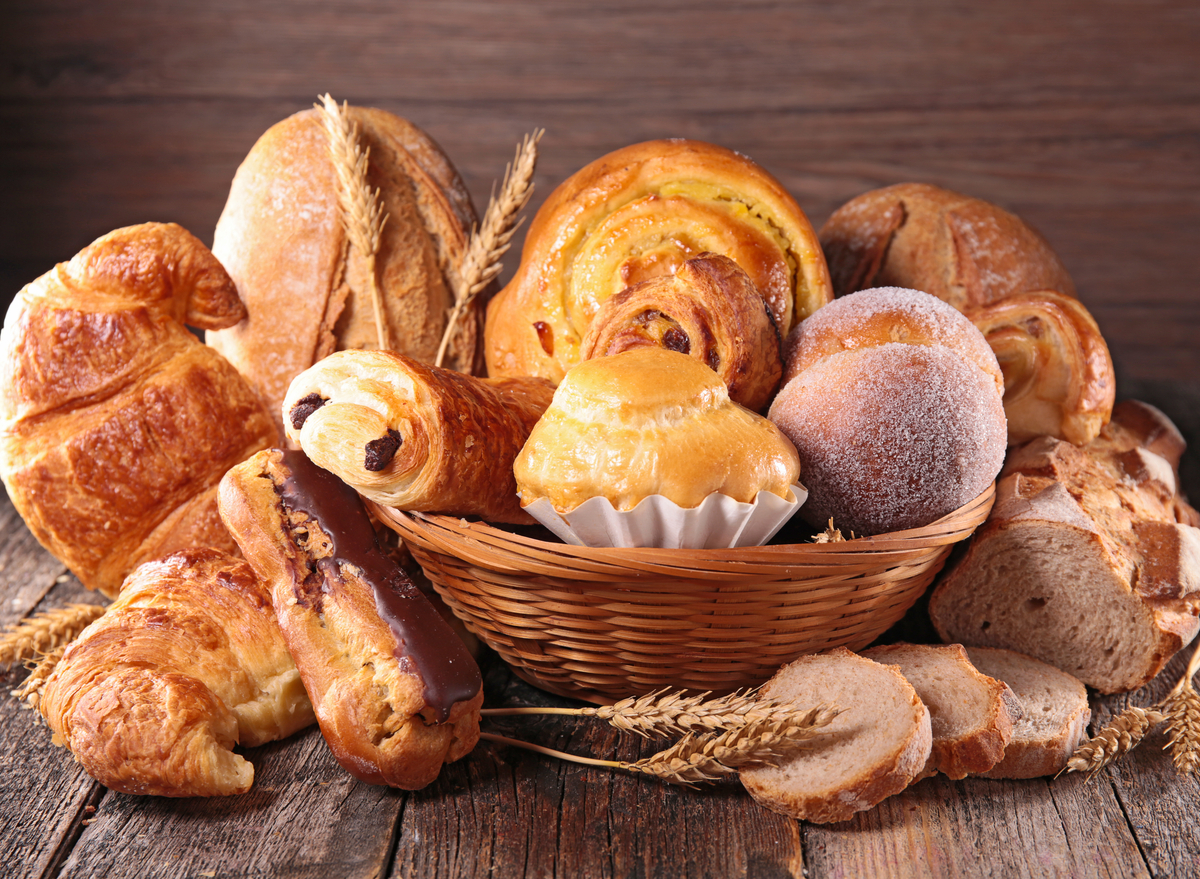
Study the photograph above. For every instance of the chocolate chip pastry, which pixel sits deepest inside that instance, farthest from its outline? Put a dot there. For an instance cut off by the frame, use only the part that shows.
(395, 691)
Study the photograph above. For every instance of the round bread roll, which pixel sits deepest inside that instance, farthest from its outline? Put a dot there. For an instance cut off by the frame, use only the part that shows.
(894, 402)
(650, 421)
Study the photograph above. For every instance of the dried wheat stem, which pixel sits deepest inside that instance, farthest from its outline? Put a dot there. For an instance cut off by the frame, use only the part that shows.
(491, 240)
(1114, 741)
(45, 631)
(362, 211)
(30, 691)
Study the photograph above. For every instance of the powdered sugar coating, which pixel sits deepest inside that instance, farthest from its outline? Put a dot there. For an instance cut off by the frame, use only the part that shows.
(886, 314)
(892, 437)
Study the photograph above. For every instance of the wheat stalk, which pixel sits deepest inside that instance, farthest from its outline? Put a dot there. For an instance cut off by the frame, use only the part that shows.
(45, 631)
(491, 239)
(362, 211)
(696, 758)
(831, 534)
(674, 713)
(30, 691)
(1120, 736)
(1182, 709)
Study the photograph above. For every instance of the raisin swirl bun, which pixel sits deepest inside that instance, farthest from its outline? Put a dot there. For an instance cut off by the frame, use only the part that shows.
(638, 213)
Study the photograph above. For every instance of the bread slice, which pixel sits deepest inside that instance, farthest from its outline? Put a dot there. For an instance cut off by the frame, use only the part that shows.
(873, 749)
(971, 715)
(1056, 713)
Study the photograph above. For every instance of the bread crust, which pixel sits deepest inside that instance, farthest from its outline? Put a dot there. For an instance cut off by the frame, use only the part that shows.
(117, 423)
(282, 238)
(637, 213)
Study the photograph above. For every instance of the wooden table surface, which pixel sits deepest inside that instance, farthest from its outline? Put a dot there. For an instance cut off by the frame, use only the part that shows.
(1082, 116)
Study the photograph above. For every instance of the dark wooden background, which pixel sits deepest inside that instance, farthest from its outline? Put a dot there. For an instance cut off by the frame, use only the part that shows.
(1083, 116)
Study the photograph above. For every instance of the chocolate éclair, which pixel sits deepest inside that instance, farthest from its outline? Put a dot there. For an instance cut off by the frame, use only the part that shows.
(395, 691)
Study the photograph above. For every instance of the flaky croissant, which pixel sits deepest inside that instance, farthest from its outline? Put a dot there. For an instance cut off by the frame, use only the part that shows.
(395, 691)
(995, 269)
(188, 662)
(708, 309)
(116, 423)
(638, 213)
(413, 436)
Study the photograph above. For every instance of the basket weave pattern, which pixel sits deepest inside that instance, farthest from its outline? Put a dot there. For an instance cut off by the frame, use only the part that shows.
(602, 624)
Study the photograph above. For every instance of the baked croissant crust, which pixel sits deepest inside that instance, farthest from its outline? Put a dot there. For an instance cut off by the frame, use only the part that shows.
(651, 421)
(188, 662)
(395, 691)
(412, 436)
(283, 239)
(708, 309)
(638, 213)
(116, 423)
(1000, 273)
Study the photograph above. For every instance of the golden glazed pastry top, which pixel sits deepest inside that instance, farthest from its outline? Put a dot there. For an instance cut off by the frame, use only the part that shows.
(650, 421)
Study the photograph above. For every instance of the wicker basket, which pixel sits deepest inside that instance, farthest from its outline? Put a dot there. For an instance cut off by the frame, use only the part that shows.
(603, 624)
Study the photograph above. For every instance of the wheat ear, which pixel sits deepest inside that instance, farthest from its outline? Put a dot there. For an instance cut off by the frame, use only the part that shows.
(362, 211)
(697, 759)
(30, 691)
(1118, 737)
(45, 631)
(491, 240)
(665, 713)
(1182, 709)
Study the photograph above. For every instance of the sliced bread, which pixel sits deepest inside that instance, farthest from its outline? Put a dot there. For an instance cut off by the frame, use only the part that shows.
(874, 748)
(971, 715)
(1055, 717)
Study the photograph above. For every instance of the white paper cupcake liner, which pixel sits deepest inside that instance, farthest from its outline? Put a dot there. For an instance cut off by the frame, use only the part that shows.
(719, 522)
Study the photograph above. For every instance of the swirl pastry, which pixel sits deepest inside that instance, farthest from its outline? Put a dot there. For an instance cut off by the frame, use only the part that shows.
(116, 423)
(395, 691)
(283, 239)
(708, 309)
(1001, 274)
(412, 436)
(188, 662)
(650, 422)
(638, 213)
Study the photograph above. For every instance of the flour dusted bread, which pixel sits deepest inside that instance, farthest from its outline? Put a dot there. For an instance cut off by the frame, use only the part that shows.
(650, 422)
(394, 690)
(998, 271)
(874, 748)
(412, 436)
(282, 238)
(638, 213)
(971, 715)
(1055, 713)
(1086, 560)
(116, 423)
(188, 662)
(894, 403)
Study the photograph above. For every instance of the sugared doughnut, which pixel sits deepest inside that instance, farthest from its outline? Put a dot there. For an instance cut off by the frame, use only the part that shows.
(894, 402)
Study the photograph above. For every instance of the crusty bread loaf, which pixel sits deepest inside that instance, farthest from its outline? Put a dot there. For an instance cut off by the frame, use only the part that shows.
(971, 715)
(1055, 713)
(1083, 562)
(188, 662)
(894, 402)
(116, 423)
(282, 238)
(873, 749)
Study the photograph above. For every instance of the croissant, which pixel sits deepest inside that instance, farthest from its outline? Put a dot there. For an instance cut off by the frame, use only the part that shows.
(188, 662)
(395, 691)
(638, 213)
(283, 238)
(116, 423)
(710, 310)
(416, 437)
(996, 270)
(1058, 375)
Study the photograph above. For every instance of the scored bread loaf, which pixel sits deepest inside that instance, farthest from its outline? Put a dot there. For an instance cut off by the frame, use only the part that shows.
(1055, 713)
(971, 715)
(874, 748)
(1086, 561)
